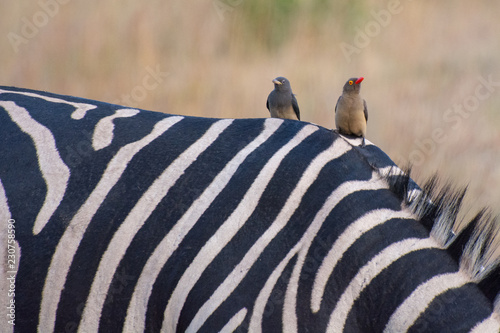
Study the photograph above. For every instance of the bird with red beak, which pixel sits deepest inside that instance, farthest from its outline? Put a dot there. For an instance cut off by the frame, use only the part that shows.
(351, 113)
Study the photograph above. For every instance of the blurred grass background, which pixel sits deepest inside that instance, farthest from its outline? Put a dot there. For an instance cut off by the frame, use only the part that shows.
(221, 55)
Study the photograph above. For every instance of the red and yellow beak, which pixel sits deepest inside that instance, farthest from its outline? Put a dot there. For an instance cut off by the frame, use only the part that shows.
(358, 81)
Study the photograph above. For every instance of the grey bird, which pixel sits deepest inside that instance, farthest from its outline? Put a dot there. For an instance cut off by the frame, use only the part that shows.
(281, 102)
(351, 113)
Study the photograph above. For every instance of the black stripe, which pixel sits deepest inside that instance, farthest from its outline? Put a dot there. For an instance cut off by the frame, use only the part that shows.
(142, 170)
(271, 203)
(180, 197)
(456, 310)
(19, 162)
(209, 222)
(394, 284)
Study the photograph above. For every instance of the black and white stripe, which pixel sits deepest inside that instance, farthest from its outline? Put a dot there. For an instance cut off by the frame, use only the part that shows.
(130, 220)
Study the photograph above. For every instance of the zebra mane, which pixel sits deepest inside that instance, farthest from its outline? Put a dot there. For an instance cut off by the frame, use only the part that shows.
(474, 244)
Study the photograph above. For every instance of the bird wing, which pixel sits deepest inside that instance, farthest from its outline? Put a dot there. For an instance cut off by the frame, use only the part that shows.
(365, 110)
(336, 105)
(295, 106)
(267, 104)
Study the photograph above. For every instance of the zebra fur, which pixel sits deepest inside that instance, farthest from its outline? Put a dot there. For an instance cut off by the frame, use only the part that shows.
(474, 244)
(289, 227)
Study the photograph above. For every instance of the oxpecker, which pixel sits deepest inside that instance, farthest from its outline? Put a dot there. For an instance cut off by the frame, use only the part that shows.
(281, 102)
(351, 113)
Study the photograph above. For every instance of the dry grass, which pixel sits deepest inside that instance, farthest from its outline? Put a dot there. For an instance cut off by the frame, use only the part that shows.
(428, 58)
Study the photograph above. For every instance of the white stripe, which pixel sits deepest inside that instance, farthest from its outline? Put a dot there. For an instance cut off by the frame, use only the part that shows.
(303, 246)
(235, 322)
(79, 113)
(415, 304)
(265, 293)
(226, 232)
(135, 220)
(352, 233)
(69, 242)
(5, 215)
(54, 171)
(337, 149)
(490, 324)
(103, 132)
(136, 313)
(355, 141)
(393, 171)
(368, 272)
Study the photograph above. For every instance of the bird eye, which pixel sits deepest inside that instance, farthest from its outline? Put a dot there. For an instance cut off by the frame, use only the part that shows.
(350, 83)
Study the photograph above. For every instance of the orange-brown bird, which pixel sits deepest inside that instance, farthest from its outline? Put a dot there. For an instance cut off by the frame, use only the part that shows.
(351, 113)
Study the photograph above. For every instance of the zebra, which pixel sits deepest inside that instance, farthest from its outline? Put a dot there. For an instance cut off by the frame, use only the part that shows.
(132, 220)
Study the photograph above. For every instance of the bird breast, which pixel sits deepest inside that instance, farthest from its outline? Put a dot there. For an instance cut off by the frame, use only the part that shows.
(352, 118)
(280, 99)
(352, 104)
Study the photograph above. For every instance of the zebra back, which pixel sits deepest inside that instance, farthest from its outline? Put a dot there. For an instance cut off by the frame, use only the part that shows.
(131, 220)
